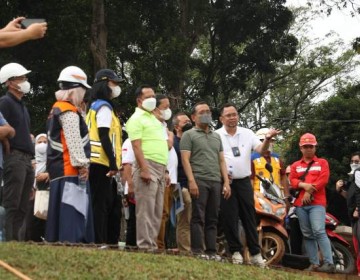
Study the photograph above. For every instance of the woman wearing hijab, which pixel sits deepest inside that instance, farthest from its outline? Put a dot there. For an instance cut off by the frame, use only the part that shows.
(34, 228)
(70, 213)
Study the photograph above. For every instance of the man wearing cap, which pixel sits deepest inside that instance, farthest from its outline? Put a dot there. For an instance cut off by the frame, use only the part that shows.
(18, 172)
(105, 140)
(310, 175)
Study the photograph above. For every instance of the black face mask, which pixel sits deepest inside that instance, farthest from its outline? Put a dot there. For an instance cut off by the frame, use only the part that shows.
(186, 127)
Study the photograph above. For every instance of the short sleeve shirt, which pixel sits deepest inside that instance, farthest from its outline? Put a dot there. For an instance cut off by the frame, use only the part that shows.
(205, 151)
(244, 139)
(127, 152)
(104, 117)
(144, 126)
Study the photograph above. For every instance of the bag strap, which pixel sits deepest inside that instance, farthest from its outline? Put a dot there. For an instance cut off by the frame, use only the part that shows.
(302, 177)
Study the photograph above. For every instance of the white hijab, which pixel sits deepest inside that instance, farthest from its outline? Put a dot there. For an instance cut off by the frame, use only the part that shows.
(40, 158)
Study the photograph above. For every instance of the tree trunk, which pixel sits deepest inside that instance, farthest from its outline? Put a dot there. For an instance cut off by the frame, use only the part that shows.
(98, 36)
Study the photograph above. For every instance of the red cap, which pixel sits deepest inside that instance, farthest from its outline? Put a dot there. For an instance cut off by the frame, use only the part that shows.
(308, 139)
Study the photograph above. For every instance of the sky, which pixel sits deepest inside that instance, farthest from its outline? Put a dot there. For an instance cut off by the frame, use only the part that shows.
(340, 21)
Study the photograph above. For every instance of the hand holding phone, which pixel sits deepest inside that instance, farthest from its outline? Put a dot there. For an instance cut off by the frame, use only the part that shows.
(34, 28)
(25, 23)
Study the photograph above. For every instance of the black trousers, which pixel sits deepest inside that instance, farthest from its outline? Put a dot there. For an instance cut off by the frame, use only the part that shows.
(131, 226)
(205, 210)
(106, 205)
(18, 181)
(240, 205)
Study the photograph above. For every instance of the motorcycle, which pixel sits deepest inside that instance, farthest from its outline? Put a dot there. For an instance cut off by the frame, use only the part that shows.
(343, 259)
(270, 213)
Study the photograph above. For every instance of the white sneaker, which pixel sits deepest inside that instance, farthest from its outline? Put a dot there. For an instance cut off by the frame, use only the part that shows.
(258, 261)
(237, 258)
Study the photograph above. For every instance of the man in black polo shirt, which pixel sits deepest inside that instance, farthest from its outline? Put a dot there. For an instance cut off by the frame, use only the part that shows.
(18, 172)
(205, 168)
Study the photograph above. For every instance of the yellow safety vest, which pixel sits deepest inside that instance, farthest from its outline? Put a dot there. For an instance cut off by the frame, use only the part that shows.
(98, 154)
(259, 167)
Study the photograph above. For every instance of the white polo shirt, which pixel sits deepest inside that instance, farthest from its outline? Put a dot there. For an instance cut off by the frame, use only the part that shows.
(246, 140)
(127, 154)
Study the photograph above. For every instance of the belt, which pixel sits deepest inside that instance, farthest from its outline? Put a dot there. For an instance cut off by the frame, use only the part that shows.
(245, 178)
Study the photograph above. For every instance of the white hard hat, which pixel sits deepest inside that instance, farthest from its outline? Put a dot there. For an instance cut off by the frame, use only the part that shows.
(261, 133)
(71, 77)
(11, 70)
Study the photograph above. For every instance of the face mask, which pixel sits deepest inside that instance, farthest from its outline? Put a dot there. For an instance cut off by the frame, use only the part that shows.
(354, 166)
(166, 114)
(205, 119)
(24, 87)
(187, 127)
(149, 104)
(115, 91)
(41, 148)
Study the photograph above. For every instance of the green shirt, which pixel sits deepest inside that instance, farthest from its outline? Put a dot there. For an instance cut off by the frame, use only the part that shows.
(144, 126)
(205, 151)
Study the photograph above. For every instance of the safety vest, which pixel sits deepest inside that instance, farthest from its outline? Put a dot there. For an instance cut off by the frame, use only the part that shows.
(259, 168)
(58, 157)
(98, 154)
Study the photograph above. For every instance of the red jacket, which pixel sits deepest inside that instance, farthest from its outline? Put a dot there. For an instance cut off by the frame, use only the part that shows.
(318, 176)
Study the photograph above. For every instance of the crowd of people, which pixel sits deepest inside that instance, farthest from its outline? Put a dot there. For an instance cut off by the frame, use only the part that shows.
(82, 152)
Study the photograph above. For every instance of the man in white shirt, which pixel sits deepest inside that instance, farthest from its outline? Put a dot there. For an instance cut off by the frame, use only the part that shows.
(238, 144)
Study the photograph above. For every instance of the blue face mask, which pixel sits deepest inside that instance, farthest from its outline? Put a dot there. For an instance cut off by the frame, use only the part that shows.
(205, 119)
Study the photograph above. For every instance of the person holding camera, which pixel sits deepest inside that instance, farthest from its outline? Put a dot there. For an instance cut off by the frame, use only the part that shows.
(12, 34)
(310, 175)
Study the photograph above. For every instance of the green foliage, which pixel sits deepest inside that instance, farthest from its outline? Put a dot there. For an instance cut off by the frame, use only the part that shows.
(335, 122)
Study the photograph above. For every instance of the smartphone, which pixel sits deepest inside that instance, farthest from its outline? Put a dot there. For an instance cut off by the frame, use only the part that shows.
(25, 23)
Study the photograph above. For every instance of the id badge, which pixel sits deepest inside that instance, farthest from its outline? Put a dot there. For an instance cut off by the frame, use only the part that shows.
(236, 151)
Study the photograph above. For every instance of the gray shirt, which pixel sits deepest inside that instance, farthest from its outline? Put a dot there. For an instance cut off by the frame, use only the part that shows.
(205, 151)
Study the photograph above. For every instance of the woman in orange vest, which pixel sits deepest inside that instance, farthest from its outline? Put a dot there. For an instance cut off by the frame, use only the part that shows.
(70, 215)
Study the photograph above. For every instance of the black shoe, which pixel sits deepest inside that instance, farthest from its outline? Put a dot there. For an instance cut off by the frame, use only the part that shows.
(327, 267)
(312, 267)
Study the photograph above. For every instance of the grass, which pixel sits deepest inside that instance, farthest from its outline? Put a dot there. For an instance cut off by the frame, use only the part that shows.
(60, 262)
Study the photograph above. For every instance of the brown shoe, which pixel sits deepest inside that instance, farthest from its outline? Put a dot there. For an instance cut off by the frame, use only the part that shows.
(312, 267)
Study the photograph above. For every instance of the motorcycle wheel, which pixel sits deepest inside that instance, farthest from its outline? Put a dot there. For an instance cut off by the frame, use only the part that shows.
(343, 259)
(273, 248)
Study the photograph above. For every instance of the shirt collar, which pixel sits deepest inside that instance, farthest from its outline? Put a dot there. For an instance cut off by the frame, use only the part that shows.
(226, 133)
(143, 112)
(201, 130)
(14, 97)
(314, 159)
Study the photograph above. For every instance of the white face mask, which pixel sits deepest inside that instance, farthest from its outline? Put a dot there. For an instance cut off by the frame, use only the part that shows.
(41, 148)
(166, 114)
(25, 87)
(149, 104)
(354, 166)
(115, 91)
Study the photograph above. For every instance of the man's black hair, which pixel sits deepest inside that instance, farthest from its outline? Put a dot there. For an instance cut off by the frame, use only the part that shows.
(138, 91)
(160, 97)
(226, 105)
(193, 111)
(357, 153)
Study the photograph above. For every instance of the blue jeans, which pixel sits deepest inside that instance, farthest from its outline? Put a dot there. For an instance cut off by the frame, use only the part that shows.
(312, 224)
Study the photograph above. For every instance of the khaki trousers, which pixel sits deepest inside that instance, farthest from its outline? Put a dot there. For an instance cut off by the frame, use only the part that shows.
(168, 198)
(183, 223)
(149, 204)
